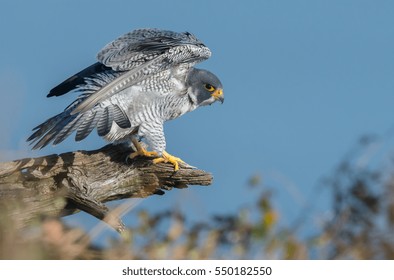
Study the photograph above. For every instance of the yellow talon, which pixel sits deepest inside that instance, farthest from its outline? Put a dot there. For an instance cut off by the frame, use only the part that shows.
(166, 157)
(141, 151)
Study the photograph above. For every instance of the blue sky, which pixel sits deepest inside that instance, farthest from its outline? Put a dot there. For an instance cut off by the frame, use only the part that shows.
(303, 80)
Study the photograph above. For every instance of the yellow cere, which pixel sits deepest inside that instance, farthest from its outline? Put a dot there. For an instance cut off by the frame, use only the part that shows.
(217, 93)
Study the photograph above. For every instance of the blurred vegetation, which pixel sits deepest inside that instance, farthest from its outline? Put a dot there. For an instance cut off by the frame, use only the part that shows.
(360, 226)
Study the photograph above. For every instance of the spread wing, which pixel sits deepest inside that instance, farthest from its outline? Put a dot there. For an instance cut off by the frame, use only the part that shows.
(128, 60)
(140, 54)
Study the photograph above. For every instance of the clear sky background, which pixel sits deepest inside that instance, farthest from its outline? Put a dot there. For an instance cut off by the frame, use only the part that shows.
(303, 80)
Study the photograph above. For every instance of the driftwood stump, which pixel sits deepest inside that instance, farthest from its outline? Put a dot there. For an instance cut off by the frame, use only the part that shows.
(59, 185)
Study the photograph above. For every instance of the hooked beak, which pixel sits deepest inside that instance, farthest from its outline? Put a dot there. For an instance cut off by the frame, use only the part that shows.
(218, 95)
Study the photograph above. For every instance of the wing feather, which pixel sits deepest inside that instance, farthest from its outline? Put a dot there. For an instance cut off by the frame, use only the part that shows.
(105, 122)
(49, 133)
(86, 126)
(120, 117)
(67, 129)
(142, 45)
(137, 56)
(141, 54)
(79, 79)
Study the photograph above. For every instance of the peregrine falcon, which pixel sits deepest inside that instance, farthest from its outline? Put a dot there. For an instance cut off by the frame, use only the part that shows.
(141, 80)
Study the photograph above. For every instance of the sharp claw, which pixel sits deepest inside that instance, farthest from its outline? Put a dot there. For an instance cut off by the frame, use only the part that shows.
(176, 166)
(133, 155)
(169, 158)
(166, 157)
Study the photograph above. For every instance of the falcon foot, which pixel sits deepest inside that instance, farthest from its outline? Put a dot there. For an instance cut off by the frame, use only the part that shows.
(166, 157)
(141, 151)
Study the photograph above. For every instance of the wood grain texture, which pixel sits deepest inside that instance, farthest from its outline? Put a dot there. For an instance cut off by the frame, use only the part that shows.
(59, 185)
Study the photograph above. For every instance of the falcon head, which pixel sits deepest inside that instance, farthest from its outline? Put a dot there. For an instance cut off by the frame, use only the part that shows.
(204, 87)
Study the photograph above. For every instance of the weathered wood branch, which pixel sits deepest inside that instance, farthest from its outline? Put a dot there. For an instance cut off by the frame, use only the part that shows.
(59, 185)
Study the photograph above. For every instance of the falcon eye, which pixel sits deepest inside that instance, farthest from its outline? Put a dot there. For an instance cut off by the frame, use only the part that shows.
(209, 87)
